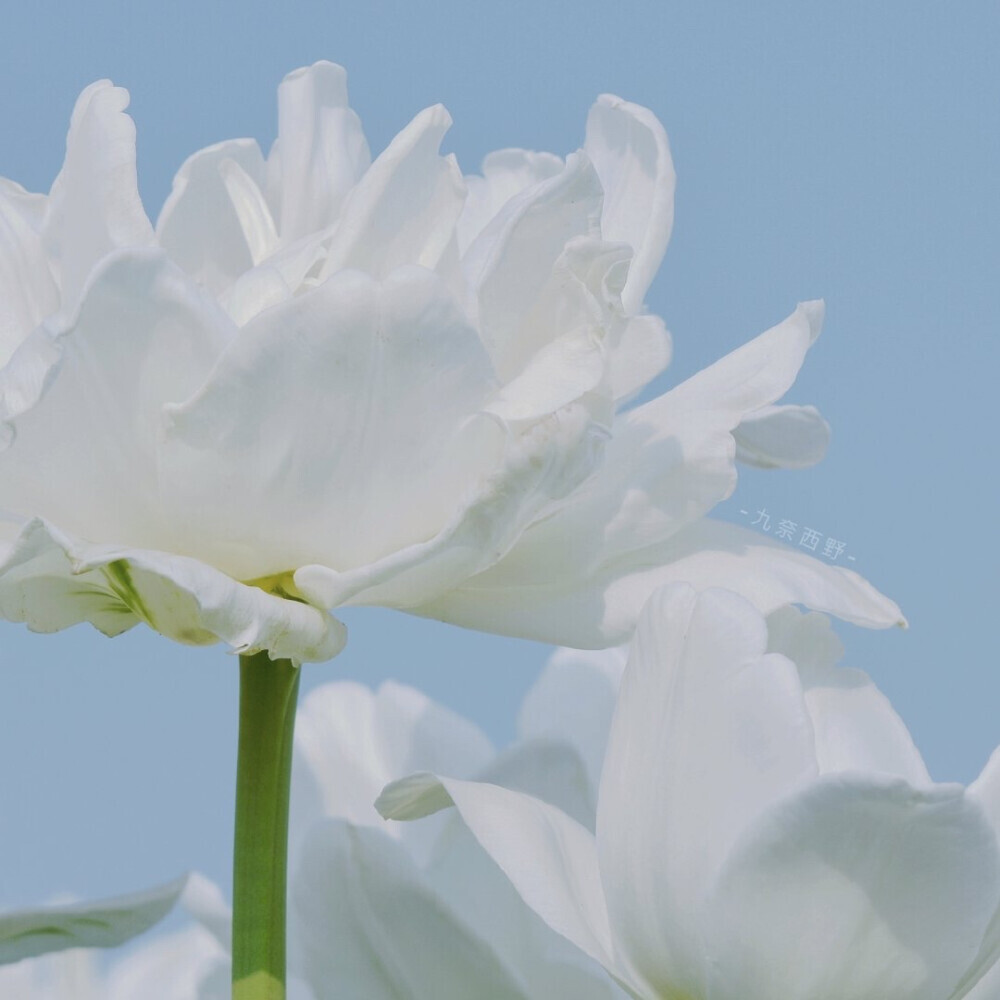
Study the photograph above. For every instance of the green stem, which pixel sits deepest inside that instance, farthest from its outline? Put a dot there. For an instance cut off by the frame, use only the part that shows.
(268, 693)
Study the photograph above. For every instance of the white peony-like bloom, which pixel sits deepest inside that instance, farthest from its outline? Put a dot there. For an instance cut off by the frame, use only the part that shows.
(325, 380)
(765, 827)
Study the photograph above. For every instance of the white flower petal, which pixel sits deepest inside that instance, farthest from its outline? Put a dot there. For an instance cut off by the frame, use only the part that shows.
(512, 260)
(200, 223)
(403, 210)
(321, 149)
(360, 393)
(856, 727)
(707, 733)
(782, 437)
(854, 889)
(506, 173)
(643, 351)
(549, 857)
(629, 149)
(94, 206)
(51, 582)
(27, 291)
(369, 925)
(573, 701)
(84, 402)
(102, 923)
(351, 741)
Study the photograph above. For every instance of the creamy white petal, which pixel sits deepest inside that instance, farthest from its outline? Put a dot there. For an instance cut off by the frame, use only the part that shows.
(643, 351)
(549, 857)
(629, 148)
(506, 173)
(404, 208)
(321, 150)
(27, 291)
(854, 889)
(348, 414)
(573, 701)
(84, 402)
(856, 727)
(709, 730)
(351, 741)
(539, 468)
(369, 925)
(102, 923)
(200, 224)
(782, 437)
(512, 260)
(94, 206)
(51, 581)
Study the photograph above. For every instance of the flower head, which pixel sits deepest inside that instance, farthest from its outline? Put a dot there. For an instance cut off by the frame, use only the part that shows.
(332, 380)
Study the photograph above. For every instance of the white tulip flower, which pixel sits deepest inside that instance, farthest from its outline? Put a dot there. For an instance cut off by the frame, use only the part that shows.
(766, 829)
(324, 380)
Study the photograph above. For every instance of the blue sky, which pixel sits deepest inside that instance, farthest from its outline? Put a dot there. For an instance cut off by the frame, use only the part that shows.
(846, 151)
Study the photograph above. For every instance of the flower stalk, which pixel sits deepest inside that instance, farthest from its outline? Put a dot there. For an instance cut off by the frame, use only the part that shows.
(268, 694)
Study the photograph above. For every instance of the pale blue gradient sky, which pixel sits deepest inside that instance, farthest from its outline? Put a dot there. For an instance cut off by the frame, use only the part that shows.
(848, 151)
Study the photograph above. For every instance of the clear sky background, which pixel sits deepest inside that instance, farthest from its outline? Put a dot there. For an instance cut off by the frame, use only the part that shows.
(844, 150)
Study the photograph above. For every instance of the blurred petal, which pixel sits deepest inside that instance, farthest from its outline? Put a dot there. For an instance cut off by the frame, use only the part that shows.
(573, 701)
(51, 581)
(403, 210)
(708, 732)
(782, 437)
(369, 925)
(855, 888)
(200, 225)
(170, 967)
(103, 923)
(321, 149)
(549, 857)
(629, 149)
(856, 727)
(94, 206)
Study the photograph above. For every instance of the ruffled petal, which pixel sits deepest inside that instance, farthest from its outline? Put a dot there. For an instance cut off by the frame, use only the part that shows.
(28, 292)
(512, 261)
(506, 173)
(51, 582)
(367, 924)
(629, 148)
(321, 151)
(404, 208)
(782, 437)
(348, 414)
(94, 206)
(708, 731)
(102, 923)
(857, 888)
(204, 223)
(83, 402)
(643, 351)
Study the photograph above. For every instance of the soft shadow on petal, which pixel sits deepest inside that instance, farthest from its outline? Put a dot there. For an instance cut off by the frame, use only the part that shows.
(782, 437)
(859, 887)
(708, 731)
(367, 924)
(50, 582)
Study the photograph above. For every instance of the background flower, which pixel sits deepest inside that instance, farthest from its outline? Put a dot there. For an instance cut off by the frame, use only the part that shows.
(764, 827)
